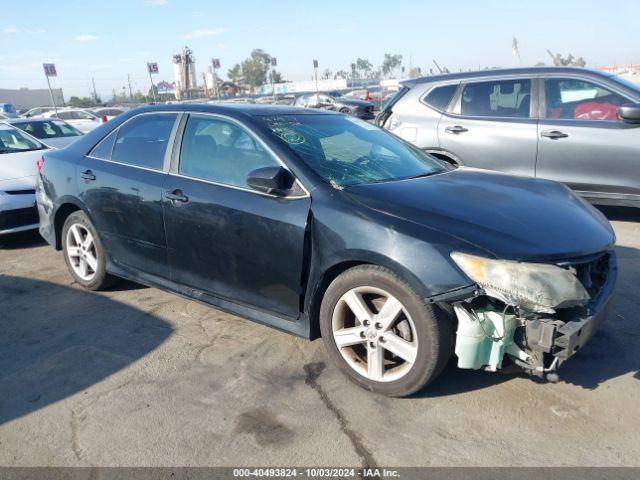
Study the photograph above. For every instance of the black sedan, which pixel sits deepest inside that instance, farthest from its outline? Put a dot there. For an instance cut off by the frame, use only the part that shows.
(334, 101)
(321, 224)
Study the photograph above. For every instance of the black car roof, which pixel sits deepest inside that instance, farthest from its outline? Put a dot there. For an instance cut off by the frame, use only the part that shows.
(503, 71)
(232, 109)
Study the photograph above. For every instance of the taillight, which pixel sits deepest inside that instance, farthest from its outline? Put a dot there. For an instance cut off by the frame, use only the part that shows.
(40, 164)
(103, 119)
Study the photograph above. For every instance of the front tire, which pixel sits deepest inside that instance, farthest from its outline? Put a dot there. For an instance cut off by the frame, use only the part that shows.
(380, 334)
(84, 253)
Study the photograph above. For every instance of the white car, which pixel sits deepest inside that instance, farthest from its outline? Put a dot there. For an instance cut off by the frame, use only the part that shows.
(109, 112)
(19, 154)
(83, 120)
(37, 111)
(53, 132)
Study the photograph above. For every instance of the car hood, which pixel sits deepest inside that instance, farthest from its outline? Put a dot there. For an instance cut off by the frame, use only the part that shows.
(353, 102)
(19, 165)
(510, 217)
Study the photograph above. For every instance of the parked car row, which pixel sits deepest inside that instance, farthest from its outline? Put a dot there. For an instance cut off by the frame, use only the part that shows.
(22, 142)
(572, 125)
(320, 224)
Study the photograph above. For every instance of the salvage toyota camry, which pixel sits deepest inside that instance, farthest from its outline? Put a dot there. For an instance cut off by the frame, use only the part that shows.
(323, 225)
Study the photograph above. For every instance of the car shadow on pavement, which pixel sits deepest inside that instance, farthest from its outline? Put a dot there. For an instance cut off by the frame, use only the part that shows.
(57, 341)
(614, 350)
(21, 240)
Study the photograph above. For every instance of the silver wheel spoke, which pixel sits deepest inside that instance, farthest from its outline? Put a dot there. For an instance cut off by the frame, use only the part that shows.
(348, 336)
(358, 307)
(375, 362)
(88, 241)
(400, 347)
(76, 235)
(91, 261)
(389, 313)
(83, 267)
(73, 252)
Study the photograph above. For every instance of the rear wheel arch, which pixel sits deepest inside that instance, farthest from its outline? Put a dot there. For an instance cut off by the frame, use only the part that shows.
(62, 213)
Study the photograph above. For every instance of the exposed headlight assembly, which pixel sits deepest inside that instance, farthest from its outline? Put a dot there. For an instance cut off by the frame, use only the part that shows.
(536, 287)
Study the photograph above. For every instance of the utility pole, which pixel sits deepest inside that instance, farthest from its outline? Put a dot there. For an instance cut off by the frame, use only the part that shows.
(130, 92)
(95, 94)
(315, 67)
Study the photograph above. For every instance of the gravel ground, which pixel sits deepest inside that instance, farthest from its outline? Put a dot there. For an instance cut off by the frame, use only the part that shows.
(139, 377)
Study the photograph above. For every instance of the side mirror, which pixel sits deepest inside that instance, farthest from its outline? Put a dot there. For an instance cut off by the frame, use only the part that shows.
(630, 112)
(273, 180)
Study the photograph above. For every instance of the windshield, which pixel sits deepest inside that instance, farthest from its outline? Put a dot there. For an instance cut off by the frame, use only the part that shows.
(346, 151)
(13, 140)
(49, 129)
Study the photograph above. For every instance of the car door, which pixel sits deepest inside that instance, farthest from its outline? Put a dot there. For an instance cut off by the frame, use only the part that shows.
(120, 183)
(583, 141)
(490, 124)
(223, 237)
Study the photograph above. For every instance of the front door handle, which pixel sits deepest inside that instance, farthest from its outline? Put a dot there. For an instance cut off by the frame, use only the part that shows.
(88, 176)
(176, 197)
(553, 134)
(456, 129)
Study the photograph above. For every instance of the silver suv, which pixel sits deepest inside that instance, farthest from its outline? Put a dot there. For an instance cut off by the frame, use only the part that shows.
(573, 125)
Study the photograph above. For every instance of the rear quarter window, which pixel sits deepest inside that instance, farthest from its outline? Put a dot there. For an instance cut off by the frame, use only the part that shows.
(439, 97)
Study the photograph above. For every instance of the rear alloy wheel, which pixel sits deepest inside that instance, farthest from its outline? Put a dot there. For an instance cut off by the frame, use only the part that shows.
(83, 252)
(381, 334)
(346, 111)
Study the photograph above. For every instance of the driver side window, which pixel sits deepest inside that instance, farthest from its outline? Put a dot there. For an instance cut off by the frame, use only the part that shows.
(573, 99)
(220, 151)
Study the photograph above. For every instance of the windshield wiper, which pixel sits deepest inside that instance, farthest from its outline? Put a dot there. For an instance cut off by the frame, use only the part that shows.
(421, 175)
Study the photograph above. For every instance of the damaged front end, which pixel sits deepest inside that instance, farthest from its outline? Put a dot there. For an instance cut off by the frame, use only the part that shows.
(535, 315)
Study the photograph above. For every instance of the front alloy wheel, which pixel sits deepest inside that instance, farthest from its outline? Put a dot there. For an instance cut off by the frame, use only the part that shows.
(381, 334)
(374, 334)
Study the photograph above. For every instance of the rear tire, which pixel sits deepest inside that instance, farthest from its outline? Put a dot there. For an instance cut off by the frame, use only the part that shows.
(346, 111)
(84, 254)
(380, 334)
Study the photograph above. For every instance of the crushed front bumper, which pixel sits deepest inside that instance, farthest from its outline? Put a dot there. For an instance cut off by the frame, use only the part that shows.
(537, 343)
(577, 331)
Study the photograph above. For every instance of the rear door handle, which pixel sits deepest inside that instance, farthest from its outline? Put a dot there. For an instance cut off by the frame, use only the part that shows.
(88, 176)
(554, 134)
(456, 129)
(176, 197)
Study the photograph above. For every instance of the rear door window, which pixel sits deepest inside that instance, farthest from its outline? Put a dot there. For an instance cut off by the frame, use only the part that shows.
(497, 98)
(143, 140)
(573, 99)
(440, 97)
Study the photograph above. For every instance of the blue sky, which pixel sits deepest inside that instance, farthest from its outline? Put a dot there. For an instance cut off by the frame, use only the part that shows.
(109, 39)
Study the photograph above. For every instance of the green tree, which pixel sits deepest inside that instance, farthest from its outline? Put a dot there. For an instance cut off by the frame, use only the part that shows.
(84, 102)
(326, 74)
(256, 68)
(341, 74)
(235, 74)
(363, 67)
(390, 63)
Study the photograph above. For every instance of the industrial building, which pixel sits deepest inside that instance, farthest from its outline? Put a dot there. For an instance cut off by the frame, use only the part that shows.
(25, 98)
